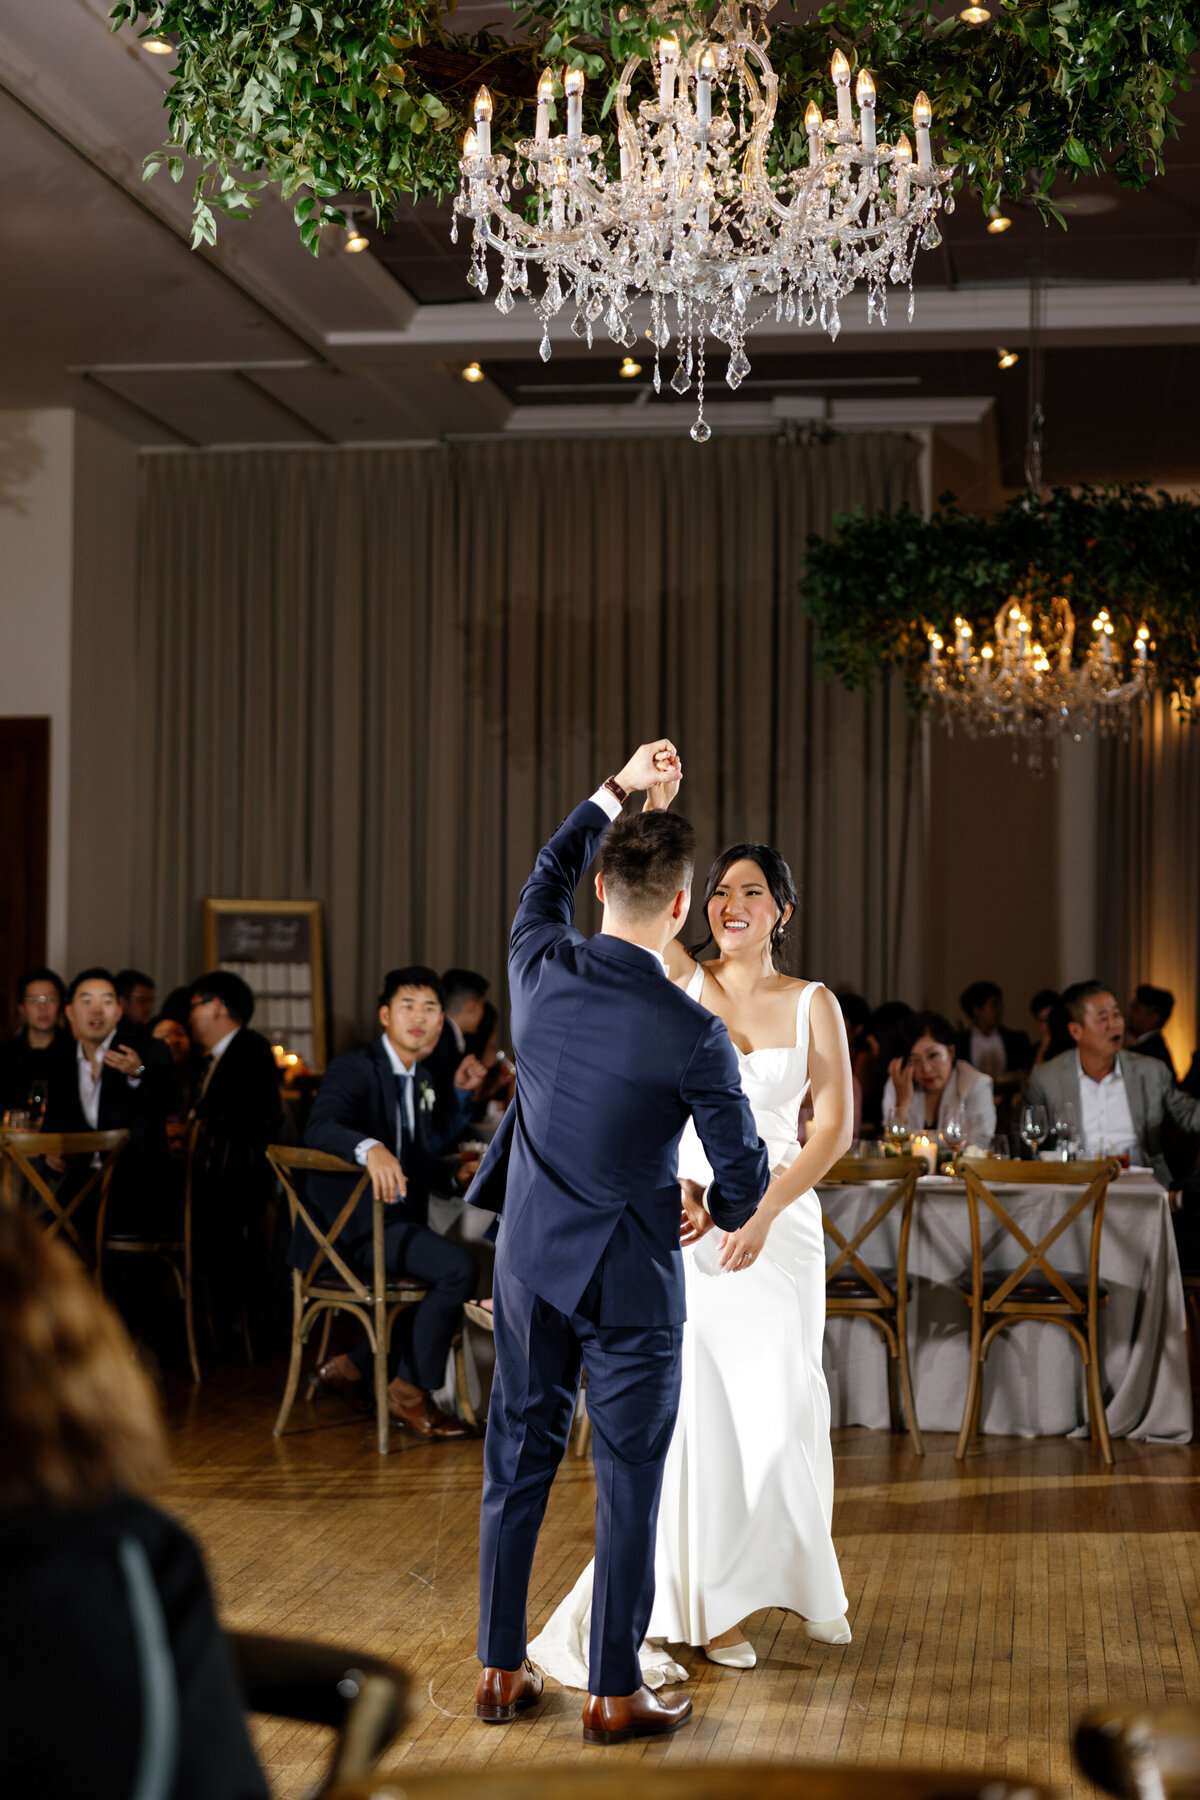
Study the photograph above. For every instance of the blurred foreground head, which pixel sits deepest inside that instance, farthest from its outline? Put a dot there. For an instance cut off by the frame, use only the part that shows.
(79, 1421)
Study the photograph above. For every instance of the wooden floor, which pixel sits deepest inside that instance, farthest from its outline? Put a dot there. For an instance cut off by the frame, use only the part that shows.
(988, 1608)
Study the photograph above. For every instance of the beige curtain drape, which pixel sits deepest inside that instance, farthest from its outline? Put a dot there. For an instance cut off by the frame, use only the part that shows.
(1149, 891)
(381, 677)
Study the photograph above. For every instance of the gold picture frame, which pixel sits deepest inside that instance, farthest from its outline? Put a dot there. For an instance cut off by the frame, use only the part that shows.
(278, 948)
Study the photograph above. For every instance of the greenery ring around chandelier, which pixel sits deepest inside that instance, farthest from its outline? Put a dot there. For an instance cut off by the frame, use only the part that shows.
(369, 99)
(882, 589)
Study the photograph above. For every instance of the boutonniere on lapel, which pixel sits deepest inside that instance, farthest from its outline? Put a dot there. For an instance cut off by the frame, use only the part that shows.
(426, 1096)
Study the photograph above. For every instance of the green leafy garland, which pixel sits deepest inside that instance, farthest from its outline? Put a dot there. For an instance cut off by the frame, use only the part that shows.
(878, 588)
(370, 98)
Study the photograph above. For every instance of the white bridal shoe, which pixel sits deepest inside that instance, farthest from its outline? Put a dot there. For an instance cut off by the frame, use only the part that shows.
(828, 1631)
(732, 1656)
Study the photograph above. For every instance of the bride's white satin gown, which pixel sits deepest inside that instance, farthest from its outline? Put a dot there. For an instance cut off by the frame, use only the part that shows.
(747, 1495)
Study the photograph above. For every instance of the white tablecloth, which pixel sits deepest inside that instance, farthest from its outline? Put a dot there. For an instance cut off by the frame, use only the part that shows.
(1033, 1381)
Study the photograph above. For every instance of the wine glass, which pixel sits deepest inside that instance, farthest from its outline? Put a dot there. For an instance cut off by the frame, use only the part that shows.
(896, 1129)
(1066, 1131)
(39, 1094)
(1034, 1126)
(954, 1129)
(999, 1146)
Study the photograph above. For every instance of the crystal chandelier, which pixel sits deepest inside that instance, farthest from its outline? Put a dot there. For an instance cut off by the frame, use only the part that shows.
(698, 218)
(1027, 683)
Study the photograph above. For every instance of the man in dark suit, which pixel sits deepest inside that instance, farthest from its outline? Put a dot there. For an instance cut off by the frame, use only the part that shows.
(455, 1072)
(112, 1089)
(988, 1044)
(374, 1107)
(613, 1058)
(239, 1080)
(1148, 1013)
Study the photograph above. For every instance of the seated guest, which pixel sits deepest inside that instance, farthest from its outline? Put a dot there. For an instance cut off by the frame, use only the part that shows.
(927, 1078)
(100, 1587)
(499, 1084)
(1149, 1011)
(173, 1035)
(455, 1071)
(1043, 1007)
(136, 993)
(988, 1045)
(1121, 1099)
(374, 1108)
(238, 1079)
(42, 1050)
(113, 1089)
(876, 1050)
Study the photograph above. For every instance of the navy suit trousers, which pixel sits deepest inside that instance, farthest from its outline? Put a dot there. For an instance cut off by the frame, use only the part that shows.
(633, 1376)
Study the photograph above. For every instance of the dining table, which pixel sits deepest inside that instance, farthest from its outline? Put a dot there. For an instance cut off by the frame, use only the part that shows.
(1033, 1379)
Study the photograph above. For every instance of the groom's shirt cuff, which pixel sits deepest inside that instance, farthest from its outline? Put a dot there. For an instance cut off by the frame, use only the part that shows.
(607, 802)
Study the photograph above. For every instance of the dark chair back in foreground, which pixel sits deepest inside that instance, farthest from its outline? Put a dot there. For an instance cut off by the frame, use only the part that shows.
(696, 1781)
(362, 1697)
(1142, 1755)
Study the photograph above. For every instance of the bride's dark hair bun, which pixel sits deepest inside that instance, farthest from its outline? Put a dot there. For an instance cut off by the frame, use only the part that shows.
(780, 885)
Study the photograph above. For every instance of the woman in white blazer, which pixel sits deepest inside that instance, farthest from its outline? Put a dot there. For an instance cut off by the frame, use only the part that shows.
(927, 1079)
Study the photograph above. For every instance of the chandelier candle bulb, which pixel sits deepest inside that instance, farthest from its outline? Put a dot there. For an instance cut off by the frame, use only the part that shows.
(483, 121)
(470, 143)
(545, 93)
(935, 644)
(706, 68)
(812, 124)
(668, 62)
(573, 87)
(902, 162)
(865, 95)
(922, 120)
(840, 69)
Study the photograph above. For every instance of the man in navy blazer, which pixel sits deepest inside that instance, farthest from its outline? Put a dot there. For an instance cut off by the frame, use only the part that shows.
(375, 1107)
(612, 1058)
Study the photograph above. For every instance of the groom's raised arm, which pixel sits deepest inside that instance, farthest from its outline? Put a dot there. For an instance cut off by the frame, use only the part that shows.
(548, 897)
(712, 1088)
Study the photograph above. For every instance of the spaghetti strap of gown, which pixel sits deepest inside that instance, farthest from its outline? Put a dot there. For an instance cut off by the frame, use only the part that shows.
(747, 1497)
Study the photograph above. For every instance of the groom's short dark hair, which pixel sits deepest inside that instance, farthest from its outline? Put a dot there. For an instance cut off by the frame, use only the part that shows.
(645, 860)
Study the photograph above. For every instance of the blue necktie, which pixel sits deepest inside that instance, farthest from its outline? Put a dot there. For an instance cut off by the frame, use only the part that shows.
(403, 1089)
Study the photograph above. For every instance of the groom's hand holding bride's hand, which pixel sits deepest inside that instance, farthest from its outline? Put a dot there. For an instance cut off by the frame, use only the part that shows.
(650, 765)
(695, 1218)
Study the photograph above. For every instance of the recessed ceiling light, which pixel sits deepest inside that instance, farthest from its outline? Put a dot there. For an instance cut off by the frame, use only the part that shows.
(1006, 358)
(997, 221)
(356, 238)
(974, 15)
(629, 368)
(158, 45)
(472, 372)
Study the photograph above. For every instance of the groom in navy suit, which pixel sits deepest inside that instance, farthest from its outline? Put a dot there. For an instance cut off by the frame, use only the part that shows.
(612, 1059)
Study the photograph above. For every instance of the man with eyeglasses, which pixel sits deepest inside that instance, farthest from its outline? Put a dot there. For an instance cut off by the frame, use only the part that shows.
(40, 1053)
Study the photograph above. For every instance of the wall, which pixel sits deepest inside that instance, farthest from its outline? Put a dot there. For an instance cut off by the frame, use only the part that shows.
(67, 562)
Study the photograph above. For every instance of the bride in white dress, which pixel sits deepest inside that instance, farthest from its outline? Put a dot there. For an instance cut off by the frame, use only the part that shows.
(747, 1498)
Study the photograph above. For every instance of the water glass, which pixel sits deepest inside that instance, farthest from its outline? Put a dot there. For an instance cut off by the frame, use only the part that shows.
(39, 1094)
(1066, 1131)
(954, 1129)
(999, 1146)
(1034, 1126)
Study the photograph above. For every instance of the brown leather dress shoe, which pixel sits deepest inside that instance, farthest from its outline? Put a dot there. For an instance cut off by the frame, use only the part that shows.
(502, 1693)
(356, 1394)
(613, 1719)
(423, 1417)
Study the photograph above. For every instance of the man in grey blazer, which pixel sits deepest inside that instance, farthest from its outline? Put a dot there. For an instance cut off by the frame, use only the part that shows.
(1120, 1098)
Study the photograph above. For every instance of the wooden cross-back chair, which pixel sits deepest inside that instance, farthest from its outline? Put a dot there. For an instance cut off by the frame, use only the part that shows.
(1036, 1289)
(25, 1150)
(330, 1285)
(856, 1289)
(175, 1249)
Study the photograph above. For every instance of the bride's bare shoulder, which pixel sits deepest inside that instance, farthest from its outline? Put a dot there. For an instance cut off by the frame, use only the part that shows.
(680, 965)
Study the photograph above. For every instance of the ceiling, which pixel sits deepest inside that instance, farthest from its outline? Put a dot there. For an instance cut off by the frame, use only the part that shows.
(106, 309)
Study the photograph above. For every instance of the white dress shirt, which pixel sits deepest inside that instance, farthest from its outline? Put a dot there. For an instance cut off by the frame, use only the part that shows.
(408, 1076)
(988, 1054)
(89, 1079)
(1106, 1123)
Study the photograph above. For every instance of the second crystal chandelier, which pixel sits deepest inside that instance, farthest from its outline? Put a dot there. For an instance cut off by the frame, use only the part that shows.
(698, 218)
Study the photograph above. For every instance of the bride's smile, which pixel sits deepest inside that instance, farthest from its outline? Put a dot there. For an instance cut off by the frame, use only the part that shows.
(742, 911)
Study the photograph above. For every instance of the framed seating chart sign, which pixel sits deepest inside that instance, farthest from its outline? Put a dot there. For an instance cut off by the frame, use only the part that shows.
(277, 947)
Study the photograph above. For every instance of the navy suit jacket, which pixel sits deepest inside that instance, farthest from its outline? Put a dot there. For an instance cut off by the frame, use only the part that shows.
(612, 1058)
(357, 1100)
